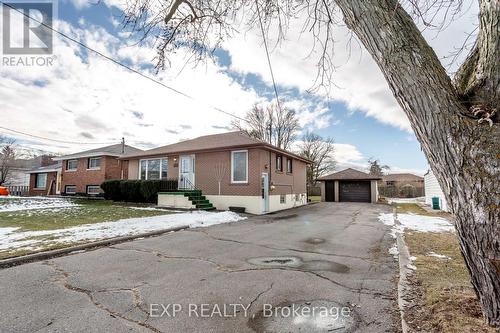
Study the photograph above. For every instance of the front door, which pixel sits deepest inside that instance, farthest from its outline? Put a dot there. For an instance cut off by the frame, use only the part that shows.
(265, 192)
(186, 172)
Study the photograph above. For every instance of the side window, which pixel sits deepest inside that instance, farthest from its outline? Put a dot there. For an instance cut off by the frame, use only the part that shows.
(279, 163)
(239, 166)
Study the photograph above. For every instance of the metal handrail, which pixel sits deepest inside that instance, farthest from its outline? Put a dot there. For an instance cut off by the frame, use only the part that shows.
(186, 184)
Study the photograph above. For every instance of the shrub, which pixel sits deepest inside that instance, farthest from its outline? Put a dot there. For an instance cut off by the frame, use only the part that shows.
(136, 190)
(111, 190)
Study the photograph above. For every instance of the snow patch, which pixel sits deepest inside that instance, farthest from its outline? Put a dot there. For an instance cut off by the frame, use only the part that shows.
(394, 251)
(10, 239)
(437, 255)
(415, 222)
(14, 204)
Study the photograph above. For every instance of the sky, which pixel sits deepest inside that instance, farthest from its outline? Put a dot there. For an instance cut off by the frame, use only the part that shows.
(88, 101)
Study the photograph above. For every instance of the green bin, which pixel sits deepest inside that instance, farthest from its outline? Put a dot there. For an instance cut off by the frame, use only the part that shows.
(435, 203)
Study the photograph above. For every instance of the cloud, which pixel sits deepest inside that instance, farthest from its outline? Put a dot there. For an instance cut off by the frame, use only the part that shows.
(358, 81)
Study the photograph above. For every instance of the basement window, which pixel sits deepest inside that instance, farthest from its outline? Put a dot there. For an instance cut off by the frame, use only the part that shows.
(282, 199)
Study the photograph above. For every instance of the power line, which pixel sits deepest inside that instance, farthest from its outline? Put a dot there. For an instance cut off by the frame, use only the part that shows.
(119, 63)
(54, 140)
(267, 54)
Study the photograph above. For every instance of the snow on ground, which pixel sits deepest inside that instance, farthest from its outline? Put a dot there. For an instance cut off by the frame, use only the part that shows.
(416, 222)
(11, 239)
(406, 200)
(437, 255)
(14, 204)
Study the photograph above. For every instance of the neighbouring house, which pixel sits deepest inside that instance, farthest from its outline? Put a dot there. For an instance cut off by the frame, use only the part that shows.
(401, 185)
(45, 180)
(225, 170)
(349, 185)
(433, 190)
(84, 172)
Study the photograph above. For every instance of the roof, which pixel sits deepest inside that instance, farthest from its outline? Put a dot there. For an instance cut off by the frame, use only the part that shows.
(228, 140)
(349, 174)
(402, 177)
(114, 150)
(49, 168)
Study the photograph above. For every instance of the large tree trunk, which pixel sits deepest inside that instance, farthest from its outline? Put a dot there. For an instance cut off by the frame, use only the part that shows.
(463, 153)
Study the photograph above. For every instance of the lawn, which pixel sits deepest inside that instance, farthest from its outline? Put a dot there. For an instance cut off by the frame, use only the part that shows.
(444, 298)
(31, 224)
(50, 214)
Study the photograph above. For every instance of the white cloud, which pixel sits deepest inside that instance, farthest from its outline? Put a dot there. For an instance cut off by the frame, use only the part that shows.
(84, 97)
(359, 82)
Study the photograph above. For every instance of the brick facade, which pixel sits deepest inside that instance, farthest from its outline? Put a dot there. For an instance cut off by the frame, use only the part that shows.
(111, 168)
(208, 164)
(51, 179)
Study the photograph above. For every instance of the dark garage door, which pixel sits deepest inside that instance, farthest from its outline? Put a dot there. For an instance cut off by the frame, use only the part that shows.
(354, 191)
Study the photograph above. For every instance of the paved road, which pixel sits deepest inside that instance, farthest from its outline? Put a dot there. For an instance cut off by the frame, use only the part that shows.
(329, 259)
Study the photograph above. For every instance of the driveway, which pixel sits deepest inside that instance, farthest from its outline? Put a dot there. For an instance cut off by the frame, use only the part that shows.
(329, 259)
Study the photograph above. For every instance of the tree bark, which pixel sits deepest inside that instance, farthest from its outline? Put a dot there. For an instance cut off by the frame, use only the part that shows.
(463, 154)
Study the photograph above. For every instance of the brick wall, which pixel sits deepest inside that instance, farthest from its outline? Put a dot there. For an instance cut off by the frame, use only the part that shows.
(111, 168)
(51, 177)
(285, 183)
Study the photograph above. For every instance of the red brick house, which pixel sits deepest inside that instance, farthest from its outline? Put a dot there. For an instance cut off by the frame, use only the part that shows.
(83, 173)
(230, 169)
(45, 180)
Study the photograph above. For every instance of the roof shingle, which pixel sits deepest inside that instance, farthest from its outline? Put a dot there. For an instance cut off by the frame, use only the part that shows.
(349, 174)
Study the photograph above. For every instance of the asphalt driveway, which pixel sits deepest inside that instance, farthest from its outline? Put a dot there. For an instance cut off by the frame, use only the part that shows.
(319, 268)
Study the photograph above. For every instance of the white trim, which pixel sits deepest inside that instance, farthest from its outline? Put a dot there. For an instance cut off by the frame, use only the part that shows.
(193, 167)
(67, 162)
(151, 159)
(99, 191)
(232, 167)
(94, 158)
(66, 186)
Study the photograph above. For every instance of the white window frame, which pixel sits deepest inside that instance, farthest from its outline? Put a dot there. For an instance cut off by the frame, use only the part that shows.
(151, 159)
(289, 160)
(94, 158)
(67, 165)
(65, 187)
(282, 199)
(36, 181)
(98, 191)
(232, 167)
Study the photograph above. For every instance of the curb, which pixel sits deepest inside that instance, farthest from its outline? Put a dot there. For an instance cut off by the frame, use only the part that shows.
(403, 259)
(10, 262)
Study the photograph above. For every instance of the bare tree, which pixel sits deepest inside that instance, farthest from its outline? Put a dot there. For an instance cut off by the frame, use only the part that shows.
(273, 124)
(7, 157)
(375, 169)
(220, 172)
(456, 121)
(320, 151)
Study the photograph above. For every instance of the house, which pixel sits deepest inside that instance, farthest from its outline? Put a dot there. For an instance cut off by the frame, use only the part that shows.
(225, 170)
(349, 185)
(433, 190)
(45, 180)
(401, 185)
(84, 172)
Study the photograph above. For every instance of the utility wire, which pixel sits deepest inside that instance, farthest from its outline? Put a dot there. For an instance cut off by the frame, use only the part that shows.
(120, 63)
(54, 140)
(267, 54)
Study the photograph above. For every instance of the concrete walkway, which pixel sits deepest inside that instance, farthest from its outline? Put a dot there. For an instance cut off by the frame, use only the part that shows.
(270, 273)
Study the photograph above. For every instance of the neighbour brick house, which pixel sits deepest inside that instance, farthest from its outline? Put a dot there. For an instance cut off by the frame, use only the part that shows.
(401, 185)
(45, 180)
(230, 169)
(83, 173)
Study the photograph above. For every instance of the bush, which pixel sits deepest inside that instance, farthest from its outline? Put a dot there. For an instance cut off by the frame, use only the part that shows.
(136, 190)
(111, 189)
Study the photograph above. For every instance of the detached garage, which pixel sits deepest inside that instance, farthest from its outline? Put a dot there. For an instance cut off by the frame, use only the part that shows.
(349, 185)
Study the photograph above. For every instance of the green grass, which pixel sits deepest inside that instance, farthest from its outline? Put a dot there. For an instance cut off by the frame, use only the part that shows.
(88, 211)
(315, 198)
(412, 208)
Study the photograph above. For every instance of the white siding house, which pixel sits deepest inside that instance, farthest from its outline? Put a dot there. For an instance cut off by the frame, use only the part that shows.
(432, 189)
